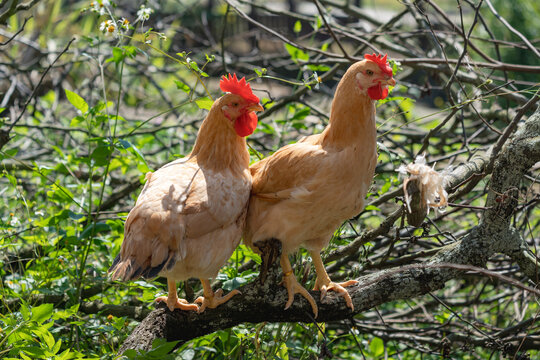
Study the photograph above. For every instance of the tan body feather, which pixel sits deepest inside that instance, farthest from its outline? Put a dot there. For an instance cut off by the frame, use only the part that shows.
(303, 192)
(189, 216)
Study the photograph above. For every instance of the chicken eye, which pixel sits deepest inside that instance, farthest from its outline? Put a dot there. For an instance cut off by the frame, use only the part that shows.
(235, 104)
(369, 72)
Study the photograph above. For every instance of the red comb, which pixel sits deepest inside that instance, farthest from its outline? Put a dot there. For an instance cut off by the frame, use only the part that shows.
(381, 61)
(238, 87)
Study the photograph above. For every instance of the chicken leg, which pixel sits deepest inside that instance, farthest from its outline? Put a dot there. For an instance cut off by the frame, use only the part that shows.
(172, 300)
(212, 299)
(324, 284)
(293, 287)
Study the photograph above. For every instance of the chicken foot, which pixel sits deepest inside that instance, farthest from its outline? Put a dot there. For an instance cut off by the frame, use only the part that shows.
(293, 287)
(324, 284)
(172, 300)
(211, 299)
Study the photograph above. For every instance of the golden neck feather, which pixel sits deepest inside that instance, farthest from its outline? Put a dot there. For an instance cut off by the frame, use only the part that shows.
(352, 117)
(218, 147)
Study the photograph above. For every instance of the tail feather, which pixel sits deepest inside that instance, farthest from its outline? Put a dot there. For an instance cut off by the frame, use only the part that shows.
(114, 264)
(128, 269)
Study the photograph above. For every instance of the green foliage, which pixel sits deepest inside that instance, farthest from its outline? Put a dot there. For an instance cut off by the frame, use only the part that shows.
(136, 103)
(160, 350)
(296, 53)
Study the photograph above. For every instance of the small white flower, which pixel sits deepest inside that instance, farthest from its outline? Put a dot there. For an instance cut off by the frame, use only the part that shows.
(99, 6)
(124, 23)
(15, 221)
(109, 28)
(144, 13)
(104, 25)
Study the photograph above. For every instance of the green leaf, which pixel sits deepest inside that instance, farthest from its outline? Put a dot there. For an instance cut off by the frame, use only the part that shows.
(371, 207)
(77, 101)
(118, 55)
(161, 349)
(194, 66)
(76, 121)
(386, 187)
(260, 72)
(37, 353)
(119, 323)
(42, 313)
(180, 85)
(376, 347)
(101, 155)
(325, 46)
(296, 53)
(297, 26)
(25, 312)
(65, 355)
(46, 336)
(56, 347)
(134, 150)
(131, 51)
(234, 283)
(301, 113)
(318, 23)
(204, 103)
(64, 314)
(320, 68)
(94, 229)
(59, 194)
(283, 351)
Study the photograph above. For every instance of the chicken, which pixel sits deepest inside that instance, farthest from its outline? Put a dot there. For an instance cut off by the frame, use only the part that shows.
(306, 190)
(189, 216)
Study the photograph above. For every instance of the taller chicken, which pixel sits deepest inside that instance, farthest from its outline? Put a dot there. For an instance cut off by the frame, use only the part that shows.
(189, 216)
(306, 190)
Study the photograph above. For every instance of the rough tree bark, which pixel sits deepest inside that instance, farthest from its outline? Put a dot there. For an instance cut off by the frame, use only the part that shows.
(493, 234)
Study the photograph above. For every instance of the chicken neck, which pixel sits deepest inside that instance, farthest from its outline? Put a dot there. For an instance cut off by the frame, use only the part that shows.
(218, 147)
(352, 117)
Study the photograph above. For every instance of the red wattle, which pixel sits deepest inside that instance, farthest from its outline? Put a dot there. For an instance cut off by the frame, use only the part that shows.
(377, 92)
(246, 123)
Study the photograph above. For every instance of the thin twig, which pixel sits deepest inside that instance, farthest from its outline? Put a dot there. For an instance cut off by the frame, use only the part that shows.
(520, 35)
(38, 84)
(316, 2)
(17, 33)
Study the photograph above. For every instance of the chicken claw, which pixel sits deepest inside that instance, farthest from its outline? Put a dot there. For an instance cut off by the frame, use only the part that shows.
(324, 284)
(176, 303)
(172, 300)
(336, 287)
(293, 287)
(213, 299)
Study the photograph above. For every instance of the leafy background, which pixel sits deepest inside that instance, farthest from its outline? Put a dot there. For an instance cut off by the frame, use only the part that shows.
(90, 113)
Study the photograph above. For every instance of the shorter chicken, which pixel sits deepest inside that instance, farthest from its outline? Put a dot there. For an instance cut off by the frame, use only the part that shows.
(189, 216)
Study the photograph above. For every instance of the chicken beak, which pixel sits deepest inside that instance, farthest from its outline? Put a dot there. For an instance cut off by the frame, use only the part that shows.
(390, 82)
(255, 107)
